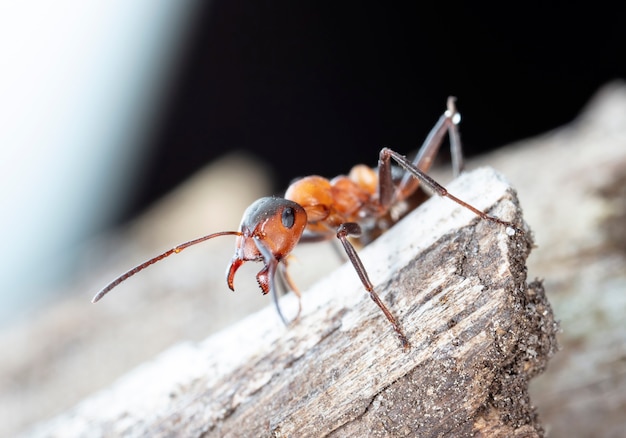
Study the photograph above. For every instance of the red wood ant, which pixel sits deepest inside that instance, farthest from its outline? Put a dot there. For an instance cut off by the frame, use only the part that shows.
(345, 206)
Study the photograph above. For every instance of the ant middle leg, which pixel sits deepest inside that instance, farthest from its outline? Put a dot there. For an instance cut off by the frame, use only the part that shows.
(353, 229)
(386, 154)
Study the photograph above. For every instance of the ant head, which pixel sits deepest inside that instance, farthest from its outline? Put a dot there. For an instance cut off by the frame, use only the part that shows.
(270, 229)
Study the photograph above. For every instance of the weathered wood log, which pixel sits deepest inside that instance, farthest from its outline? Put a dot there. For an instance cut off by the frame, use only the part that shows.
(458, 286)
(572, 184)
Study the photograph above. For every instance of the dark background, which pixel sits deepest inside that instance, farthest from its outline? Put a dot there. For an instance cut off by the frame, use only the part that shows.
(317, 87)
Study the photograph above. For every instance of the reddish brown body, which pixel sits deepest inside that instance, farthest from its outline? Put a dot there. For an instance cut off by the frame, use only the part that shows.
(330, 203)
(271, 227)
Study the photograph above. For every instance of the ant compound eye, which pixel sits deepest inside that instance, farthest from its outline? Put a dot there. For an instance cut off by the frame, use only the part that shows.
(288, 217)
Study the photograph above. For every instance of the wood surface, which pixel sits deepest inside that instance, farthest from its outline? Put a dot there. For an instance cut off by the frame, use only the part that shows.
(571, 185)
(458, 286)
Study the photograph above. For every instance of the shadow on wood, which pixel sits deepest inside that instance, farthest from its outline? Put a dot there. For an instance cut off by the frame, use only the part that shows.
(479, 333)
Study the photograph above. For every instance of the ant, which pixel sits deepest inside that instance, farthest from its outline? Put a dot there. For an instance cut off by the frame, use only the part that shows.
(316, 209)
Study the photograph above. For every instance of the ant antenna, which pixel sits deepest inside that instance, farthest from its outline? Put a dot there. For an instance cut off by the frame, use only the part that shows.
(153, 260)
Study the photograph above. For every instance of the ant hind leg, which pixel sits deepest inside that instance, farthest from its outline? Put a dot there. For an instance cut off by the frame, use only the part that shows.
(448, 122)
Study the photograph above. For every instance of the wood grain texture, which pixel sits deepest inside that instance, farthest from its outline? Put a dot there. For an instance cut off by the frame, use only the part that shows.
(479, 333)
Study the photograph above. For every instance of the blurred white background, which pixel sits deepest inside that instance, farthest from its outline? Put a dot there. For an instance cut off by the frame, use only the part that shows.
(78, 82)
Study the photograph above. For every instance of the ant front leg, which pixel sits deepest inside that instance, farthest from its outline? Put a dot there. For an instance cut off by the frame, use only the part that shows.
(267, 276)
(353, 229)
(289, 284)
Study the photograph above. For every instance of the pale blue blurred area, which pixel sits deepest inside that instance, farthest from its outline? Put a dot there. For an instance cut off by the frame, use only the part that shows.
(79, 82)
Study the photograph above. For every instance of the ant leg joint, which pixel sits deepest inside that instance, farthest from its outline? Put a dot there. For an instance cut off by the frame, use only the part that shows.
(349, 229)
(451, 112)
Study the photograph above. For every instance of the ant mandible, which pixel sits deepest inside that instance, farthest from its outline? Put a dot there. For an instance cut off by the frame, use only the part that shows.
(343, 207)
